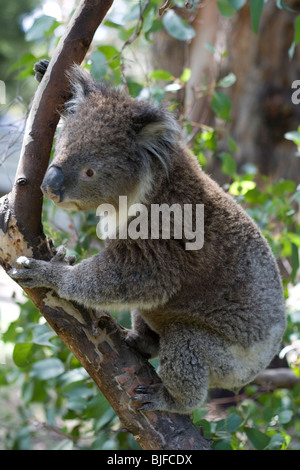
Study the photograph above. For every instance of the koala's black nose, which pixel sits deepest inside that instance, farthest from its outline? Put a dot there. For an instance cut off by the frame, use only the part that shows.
(53, 182)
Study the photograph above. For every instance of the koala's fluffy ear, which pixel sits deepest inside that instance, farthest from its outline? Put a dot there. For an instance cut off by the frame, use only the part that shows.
(81, 85)
(157, 131)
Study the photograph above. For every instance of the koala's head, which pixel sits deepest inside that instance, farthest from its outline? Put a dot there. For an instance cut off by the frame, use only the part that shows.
(110, 145)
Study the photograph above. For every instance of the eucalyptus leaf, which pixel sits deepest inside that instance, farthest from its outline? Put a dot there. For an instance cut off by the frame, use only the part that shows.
(221, 105)
(225, 9)
(228, 164)
(256, 8)
(161, 75)
(40, 26)
(177, 27)
(258, 439)
(98, 65)
(22, 353)
(237, 4)
(47, 369)
(227, 81)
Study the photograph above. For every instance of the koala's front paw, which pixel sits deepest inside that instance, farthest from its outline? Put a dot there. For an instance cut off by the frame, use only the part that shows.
(37, 273)
(154, 397)
(30, 272)
(40, 69)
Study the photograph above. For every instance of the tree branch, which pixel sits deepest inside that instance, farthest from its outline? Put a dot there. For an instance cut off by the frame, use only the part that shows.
(96, 339)
(282, 377)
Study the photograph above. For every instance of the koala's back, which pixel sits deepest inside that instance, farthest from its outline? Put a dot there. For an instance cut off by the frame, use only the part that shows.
(222, 303)
(231, 286)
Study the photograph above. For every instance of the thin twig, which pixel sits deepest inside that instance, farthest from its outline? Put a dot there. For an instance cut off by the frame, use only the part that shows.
(133, 37)
(165, 6)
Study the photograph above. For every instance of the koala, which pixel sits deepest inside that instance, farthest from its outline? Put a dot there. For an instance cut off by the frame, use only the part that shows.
(214, 315)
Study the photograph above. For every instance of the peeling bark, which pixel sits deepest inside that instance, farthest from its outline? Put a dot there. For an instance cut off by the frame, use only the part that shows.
(96, 339)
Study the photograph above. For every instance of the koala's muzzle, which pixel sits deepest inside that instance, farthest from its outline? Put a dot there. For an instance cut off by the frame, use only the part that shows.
(53, 183)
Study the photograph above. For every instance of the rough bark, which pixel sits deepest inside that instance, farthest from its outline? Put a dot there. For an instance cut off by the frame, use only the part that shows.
(262, 108)
(96, 339)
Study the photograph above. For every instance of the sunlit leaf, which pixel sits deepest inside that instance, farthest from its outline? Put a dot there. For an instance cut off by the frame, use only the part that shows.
(22, 353)
(161, 75)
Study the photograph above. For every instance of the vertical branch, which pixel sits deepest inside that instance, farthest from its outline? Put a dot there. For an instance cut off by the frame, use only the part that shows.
(26, 196)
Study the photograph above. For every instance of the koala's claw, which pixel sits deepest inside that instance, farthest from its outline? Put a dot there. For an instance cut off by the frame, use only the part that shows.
(60, 256)
(29, 275)
(40, 69)
(149, 396)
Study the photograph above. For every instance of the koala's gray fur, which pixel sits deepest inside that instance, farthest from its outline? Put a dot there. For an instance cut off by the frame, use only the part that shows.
(215, 316)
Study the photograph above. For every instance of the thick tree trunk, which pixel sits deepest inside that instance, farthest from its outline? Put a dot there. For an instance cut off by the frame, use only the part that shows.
(262, 109)
(95, 338)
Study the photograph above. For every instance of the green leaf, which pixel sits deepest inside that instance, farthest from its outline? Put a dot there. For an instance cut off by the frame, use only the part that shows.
(42, 334)
(177, 27)
(47, 369)
(233, 421)
(161, 75)
(221, 105)
(240, 188)
(113, 59)
(276, 442)
(98, 65)
(232, 144)
(256, 8)
(237, 4)
(96, 407)
(297, 31)
(258, 439)
(22, 353)
(228, 164)
(149, 18)
(39, 28)
(112, 24)
(186, 75)
(283, 187)
(294, 238)
(285, 416)
(254, 196)
(225, 9)
(223, 444)
(133, 14)
(227, 81)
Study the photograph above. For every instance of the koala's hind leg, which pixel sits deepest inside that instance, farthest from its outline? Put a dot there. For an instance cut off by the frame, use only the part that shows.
(141, 337)
(184, 375)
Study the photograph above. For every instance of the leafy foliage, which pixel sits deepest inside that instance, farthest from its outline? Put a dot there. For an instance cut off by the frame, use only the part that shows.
(60, 407)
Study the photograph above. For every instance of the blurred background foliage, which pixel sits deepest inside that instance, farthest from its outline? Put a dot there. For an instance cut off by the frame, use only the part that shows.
(227, 69)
